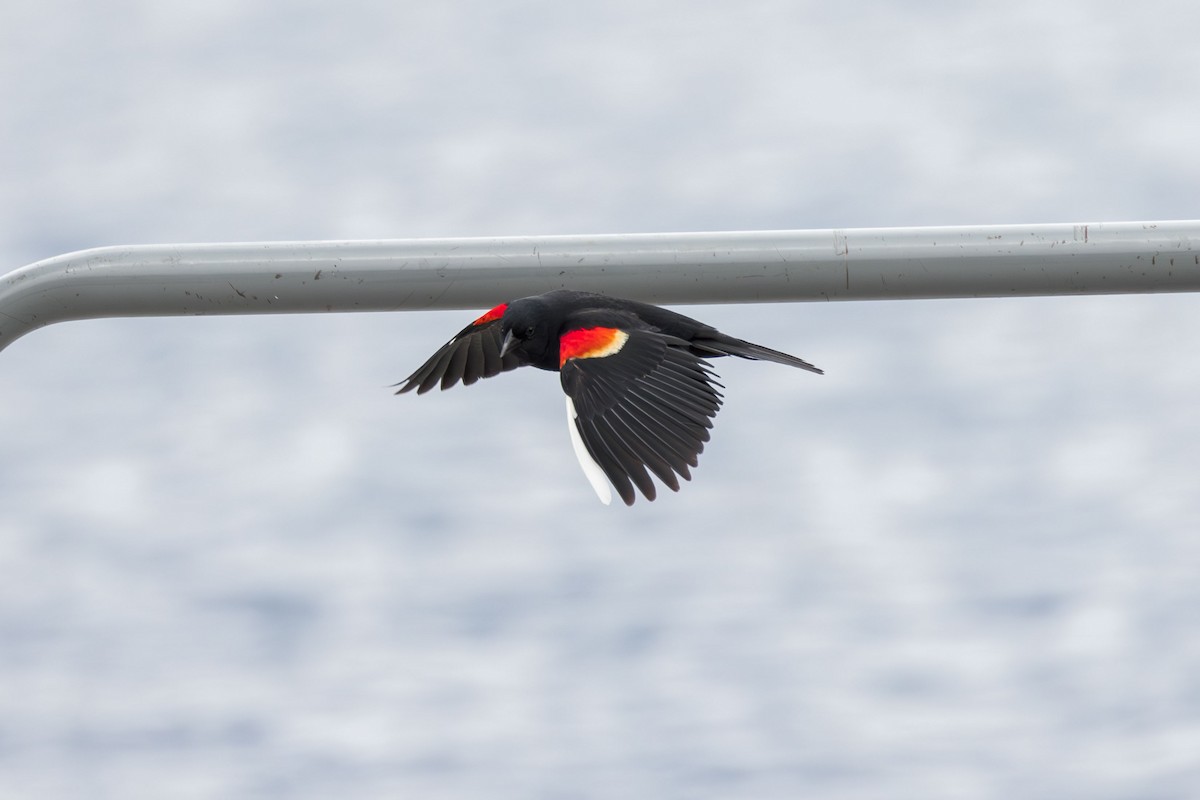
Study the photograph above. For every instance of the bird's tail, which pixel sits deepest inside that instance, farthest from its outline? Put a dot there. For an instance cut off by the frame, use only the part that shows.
(730, 346)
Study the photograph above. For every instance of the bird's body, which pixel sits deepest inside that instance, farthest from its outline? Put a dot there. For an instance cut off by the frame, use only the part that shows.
(640, 395)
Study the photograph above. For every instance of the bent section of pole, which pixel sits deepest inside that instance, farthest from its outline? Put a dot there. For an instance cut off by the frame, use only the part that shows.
(477, 273)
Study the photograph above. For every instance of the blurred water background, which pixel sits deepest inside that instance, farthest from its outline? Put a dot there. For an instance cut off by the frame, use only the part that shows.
(962, 564)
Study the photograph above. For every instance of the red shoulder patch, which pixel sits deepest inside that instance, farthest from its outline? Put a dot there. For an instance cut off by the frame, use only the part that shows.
(590, 343)
(494, 314)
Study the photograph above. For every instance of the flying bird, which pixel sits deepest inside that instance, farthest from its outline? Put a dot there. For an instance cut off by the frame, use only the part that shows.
(641, 394)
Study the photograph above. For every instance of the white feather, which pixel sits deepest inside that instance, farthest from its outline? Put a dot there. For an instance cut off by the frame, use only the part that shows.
(591, 469)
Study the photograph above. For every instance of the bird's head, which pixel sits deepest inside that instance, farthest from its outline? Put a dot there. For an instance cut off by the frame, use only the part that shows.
(525, 328)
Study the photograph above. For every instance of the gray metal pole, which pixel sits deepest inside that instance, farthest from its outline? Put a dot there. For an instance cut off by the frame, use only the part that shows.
(766, 266)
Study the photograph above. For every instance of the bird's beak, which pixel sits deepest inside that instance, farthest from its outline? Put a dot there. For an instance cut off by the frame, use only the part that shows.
(507, 344)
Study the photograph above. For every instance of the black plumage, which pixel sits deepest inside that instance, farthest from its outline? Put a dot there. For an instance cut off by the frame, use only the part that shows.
(641, 394)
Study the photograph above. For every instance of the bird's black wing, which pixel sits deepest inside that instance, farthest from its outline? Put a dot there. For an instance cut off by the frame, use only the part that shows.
(638, 400)
(472, 354)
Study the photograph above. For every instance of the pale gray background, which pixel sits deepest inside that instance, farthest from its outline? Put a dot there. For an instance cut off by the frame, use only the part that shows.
(963, 564)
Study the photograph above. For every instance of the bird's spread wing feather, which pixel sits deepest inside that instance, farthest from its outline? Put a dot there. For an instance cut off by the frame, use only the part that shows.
(640, 403)
(472, 354)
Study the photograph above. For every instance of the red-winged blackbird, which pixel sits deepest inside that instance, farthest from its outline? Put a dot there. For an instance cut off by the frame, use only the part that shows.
(640, 394)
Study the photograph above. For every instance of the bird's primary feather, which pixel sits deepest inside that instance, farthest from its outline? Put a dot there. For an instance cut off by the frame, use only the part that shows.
(473, 353)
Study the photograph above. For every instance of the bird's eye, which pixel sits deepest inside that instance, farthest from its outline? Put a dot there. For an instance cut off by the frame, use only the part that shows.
(529, 332)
